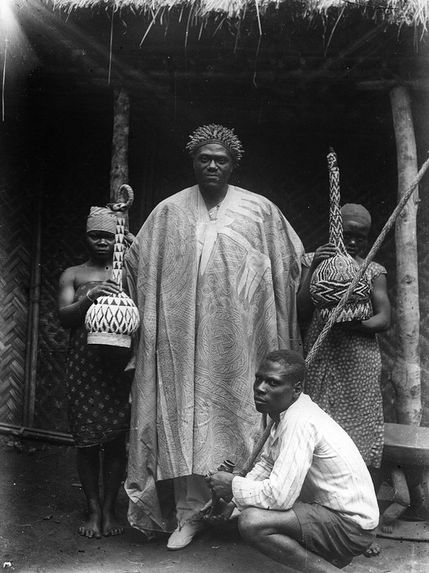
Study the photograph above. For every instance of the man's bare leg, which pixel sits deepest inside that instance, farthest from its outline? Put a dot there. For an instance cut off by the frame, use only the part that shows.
(88, 466)
(114, 460)
(275, 534)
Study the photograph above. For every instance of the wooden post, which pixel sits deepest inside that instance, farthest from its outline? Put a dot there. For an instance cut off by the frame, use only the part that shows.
(406, 371)
(121, 121)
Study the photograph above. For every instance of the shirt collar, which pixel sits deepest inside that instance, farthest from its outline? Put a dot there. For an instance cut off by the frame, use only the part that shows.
(283, 414)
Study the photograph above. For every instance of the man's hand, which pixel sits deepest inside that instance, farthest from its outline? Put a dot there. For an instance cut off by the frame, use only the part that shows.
(221, 484)
(223, 513)
(128, 238)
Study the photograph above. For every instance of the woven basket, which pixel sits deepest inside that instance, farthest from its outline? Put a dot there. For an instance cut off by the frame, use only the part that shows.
(332, 277)
(112, 320)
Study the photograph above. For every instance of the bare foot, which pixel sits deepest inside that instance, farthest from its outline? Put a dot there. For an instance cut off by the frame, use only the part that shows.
(91, 527)
(373, 550)
(111, 525)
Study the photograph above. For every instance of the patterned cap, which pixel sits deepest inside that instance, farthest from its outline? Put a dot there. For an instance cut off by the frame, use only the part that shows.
(101, 219)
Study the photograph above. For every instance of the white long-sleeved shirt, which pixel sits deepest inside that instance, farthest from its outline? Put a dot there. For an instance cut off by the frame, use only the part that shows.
(308, 455)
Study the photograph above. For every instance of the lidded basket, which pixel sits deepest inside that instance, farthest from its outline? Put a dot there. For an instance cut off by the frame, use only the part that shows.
(333, 276)
(112, 319)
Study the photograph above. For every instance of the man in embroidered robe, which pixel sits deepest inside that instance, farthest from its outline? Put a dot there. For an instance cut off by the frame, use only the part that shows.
(214, 271)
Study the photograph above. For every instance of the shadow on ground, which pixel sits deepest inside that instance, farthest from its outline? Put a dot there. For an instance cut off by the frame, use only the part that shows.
(42, 506)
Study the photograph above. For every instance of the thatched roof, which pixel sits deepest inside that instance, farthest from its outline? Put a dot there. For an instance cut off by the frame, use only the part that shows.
(401, 12)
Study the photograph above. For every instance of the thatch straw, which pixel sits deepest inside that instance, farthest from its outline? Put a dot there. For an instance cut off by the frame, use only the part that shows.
(402, 12)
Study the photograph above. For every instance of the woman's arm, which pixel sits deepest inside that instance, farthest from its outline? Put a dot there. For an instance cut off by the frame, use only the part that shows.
(380, 321)
(72, 313)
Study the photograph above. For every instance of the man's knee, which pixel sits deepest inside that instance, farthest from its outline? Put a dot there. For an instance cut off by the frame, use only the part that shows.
(250, 523)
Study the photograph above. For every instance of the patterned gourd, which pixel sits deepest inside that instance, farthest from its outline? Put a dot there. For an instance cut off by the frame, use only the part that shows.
(112, 319)
(332, 276)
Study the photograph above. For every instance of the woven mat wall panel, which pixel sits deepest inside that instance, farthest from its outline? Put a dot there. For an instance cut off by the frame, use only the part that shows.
(14, 286)
(62, 246)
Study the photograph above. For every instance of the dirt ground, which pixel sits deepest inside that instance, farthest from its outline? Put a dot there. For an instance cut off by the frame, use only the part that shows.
(42, 504)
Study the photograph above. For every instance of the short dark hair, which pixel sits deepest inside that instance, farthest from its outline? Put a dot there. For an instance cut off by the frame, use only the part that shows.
(290, 359)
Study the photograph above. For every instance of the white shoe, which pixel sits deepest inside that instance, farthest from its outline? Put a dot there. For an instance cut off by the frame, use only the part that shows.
(184, 534)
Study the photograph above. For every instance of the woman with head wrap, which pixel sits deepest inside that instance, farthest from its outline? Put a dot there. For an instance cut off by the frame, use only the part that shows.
(97, 387)
(344, 378)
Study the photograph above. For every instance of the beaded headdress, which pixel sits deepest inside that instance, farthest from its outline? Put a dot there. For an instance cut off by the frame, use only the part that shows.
(214, 133)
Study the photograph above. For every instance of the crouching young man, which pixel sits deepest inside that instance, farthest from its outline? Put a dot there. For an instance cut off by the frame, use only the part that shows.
(309, 503)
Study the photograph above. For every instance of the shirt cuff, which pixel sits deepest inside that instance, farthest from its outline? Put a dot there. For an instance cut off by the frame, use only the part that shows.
(242, 493)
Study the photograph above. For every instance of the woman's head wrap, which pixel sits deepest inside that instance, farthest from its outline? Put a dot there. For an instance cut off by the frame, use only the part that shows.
(357, 213)
(101, 219)
(214, 133)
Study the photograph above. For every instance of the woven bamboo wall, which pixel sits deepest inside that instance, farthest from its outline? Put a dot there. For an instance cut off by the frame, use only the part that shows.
(61, 247)
(15, 253)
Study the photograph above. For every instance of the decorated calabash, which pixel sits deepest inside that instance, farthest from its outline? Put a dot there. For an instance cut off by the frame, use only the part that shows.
(112, 319)
(333, 276)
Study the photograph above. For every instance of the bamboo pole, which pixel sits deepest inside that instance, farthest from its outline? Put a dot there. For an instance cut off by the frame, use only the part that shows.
(406, 371)
(119, 163)
(22, 432)
(32, 338)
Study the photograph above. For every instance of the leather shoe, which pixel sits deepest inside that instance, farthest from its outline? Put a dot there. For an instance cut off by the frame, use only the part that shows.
(184, 534)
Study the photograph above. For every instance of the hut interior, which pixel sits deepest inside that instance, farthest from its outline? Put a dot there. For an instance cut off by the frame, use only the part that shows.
(291, 82)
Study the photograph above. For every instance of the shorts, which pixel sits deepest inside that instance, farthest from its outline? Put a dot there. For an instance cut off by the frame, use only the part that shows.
(330, 535)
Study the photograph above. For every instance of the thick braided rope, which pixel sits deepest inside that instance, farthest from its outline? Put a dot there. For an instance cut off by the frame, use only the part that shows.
(335, 219)
(248, 465)
(118, 251)
(125, 200)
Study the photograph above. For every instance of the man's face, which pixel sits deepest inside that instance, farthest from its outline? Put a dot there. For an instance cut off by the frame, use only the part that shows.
(212, 167)
(100, 244)
(276, 388)
(355, 238)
